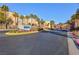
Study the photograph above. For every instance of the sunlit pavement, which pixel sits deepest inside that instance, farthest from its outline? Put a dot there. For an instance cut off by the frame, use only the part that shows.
(41, 43)
(73, 48)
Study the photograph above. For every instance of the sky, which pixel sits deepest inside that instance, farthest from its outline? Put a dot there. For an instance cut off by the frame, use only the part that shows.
(59, 12)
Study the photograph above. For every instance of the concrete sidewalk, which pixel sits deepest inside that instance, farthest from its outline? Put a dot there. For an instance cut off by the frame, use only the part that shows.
(73, 50)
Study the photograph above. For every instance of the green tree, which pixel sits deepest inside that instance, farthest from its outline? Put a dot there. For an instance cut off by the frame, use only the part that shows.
(77, 12)
(9, 21)
(37, 19)
(27, 17)
(51, 23)
(15, 14)
(22, 17)
(74, 18)
(31, 17)
(68, 22)
(2, 19)
(60, 24)
(42, 21)
(5, 9)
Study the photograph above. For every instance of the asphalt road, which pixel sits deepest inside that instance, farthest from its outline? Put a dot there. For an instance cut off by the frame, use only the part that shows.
(41, 43)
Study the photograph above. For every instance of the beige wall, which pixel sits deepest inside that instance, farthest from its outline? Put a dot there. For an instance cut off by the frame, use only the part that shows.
(10, 15)
(25, 21)
(33, 21)
(46, 25)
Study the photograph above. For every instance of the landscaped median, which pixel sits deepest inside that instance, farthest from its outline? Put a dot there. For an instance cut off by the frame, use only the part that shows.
(20, 33)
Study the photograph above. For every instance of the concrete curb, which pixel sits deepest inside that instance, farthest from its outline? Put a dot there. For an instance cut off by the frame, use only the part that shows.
(23, 33)
(73, 50)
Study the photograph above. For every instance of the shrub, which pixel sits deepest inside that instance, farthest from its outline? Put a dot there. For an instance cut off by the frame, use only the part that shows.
(16, 31)
(39, 29)
(13, 31)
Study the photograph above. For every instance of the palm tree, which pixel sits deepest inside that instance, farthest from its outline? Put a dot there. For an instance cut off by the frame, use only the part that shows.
(2, 19)
(60, 26)
(22, 17)
(77, 12)
(42, 22)
(27, 17)
(37, 19)
(5, 9)
(68, 22)
(9, 21)
(31, 17)
(74, 19)
(51, 23)
(15, 14)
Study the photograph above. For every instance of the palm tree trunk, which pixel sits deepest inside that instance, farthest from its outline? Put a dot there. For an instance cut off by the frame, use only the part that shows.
(51, 26)
(1, 26)
(31, 21)
(22, 22)
(39, 24)
(17, 22)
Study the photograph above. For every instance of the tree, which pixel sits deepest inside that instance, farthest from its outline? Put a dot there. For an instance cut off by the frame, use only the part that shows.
(5, 9)
(2, 19)
(77, 12)
(74, 19)
(42, 21)
(22, 17)
(9, 21)
(27, 17)
(37, 19)
(75, 16)
(31, 17)
(68, 22)
(51, 23)
(15, 14)
(60, 25)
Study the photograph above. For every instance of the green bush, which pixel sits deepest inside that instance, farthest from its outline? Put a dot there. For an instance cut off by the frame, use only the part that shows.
(39, 29)
(13, 31)
(36, 29)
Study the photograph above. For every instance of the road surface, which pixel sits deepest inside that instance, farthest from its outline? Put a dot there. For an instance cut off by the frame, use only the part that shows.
(41, 43)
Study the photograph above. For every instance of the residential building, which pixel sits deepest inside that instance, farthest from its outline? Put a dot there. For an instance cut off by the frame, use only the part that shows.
(46, 25)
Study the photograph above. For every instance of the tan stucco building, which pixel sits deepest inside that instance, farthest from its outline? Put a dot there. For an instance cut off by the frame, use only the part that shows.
(29, 21)
(46, 25)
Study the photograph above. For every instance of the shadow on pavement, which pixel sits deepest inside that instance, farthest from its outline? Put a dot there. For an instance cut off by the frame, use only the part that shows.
(76, 44)
(61, 33)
